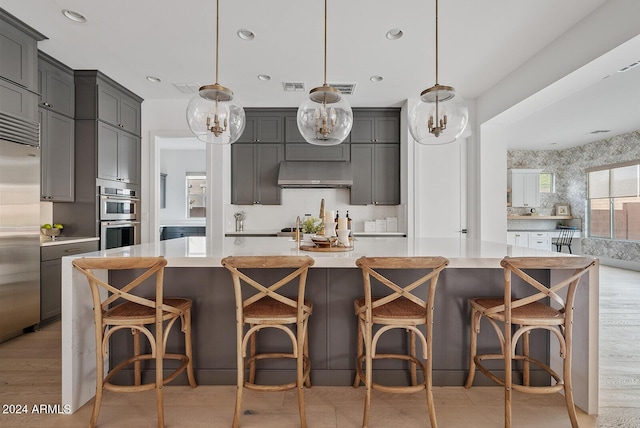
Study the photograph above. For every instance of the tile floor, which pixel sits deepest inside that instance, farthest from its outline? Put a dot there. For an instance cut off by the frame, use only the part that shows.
(30, 374)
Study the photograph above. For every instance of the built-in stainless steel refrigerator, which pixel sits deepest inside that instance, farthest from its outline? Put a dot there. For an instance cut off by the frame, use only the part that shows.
(19, 238)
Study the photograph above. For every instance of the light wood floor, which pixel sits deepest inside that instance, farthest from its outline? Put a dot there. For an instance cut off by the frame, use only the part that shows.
(30, 375)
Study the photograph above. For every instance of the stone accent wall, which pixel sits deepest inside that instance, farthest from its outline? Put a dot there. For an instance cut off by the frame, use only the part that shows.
(571, 184)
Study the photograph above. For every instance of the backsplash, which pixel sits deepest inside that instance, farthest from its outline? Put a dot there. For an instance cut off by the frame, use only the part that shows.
(571, 184)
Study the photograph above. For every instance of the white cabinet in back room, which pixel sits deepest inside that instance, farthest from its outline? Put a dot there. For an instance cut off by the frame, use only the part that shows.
(525, 187)
(519, 239)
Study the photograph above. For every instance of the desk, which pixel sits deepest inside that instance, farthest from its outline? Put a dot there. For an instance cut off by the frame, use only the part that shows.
(194, 270)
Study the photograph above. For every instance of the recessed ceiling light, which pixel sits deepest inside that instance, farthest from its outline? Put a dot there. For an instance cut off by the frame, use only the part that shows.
(153, 79)
(74, 16)
(246, 34)
(394, 34)
(264, 77)
(553, 144)
(600, 131)
(376, 78)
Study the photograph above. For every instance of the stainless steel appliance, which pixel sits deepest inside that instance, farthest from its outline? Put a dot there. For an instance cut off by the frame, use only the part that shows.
(118, 204)
(114, 234)
(119, 210)
(19, 238)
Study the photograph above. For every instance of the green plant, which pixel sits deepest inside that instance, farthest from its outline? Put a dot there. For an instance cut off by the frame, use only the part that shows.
(311, 225)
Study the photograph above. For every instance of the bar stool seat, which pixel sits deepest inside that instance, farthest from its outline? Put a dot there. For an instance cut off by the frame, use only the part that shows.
(514, 318)
(118, 307)
(266, 307)
(399, 307)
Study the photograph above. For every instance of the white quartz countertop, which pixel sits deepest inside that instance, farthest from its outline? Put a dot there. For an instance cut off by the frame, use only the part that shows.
(197, 251)
(62, 240)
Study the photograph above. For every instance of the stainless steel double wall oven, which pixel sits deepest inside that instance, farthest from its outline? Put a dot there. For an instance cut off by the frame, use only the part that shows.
(119, 217)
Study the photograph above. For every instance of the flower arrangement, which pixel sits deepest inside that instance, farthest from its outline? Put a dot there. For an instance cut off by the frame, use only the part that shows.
(311, 225)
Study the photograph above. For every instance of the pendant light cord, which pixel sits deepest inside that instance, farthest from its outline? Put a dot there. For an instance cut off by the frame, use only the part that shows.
(217, 35)
(325, 42)
(436, 42)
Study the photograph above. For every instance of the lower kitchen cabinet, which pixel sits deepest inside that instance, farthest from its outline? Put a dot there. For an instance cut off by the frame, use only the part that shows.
(51, 274)
(254, 173)
(538, 240)
(173, 232)
(376, 174)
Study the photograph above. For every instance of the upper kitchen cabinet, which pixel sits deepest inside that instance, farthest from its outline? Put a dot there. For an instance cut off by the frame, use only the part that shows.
(55, 85)
(254, 173)
(99, 97)
(263, 126)
(57, 167)
(376, 174)
(18, 50)
(107, 130)
(376, 126)
(18, 81)
(118, 155)
(525, 187)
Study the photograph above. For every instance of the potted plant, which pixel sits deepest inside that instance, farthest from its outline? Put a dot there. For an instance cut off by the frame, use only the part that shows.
(310, 226)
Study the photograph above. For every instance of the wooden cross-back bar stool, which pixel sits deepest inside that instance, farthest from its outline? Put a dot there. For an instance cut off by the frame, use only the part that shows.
(268, 308)
(399, 308)
(515, 318)
(119, 307)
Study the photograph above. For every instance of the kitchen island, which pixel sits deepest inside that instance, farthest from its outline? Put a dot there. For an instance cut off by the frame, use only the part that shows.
(194, 271)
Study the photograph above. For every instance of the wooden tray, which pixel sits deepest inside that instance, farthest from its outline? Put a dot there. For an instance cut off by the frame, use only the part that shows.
(325, 249)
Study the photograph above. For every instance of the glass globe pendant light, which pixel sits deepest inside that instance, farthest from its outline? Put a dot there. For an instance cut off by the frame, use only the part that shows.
(212, 115)
(441, 115)
(325, 118)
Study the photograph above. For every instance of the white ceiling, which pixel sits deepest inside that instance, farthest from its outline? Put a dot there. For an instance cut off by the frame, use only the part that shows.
(481, 42)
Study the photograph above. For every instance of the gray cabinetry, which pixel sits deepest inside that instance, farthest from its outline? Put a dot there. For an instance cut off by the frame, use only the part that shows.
(18, 47)
(18, 81)
(310, 152)
(118, 155)
(109, 117)
(173, 232)
(57, 157)
(254, 173)
(263, 126)
(57, 134)
(51, 274)
(375, 126)
(55, 85)
(376, 174)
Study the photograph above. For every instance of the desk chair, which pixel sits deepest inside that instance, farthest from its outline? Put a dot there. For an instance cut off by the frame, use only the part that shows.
(117, 308)
(398, 308)
(263, 307)
(566, 235)
(519, 316)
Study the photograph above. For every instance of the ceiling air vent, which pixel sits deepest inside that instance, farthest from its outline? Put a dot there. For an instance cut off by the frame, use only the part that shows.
(344, 88)
(188, 88)
(293, 86)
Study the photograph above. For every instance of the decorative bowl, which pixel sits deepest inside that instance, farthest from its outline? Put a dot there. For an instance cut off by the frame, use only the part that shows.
(323, 241)
(51, 233)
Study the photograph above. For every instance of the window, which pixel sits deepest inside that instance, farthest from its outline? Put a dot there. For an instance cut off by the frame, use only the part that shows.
(196, 194)
(614, 201)
(547, 182)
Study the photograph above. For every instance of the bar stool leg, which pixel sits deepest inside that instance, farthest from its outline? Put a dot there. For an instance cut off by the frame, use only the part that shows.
(252, 364)
(568, 387)
(136, 351)
(412, 352)
(508, 366)
(473, 335)
(307, 381)
(300, 343)
(359, 353)
(368, 373)
(99, 378)
(159, 373)
(526, 377)
(188, 347)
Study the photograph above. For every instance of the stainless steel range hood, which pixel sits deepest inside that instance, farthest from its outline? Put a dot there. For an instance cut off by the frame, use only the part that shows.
(315, 174)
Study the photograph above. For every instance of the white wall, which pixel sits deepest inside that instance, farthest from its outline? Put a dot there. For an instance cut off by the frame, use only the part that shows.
(176, 163)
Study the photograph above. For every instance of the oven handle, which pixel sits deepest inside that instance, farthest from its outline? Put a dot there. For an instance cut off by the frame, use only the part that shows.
(119, 223)
(120, 198)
